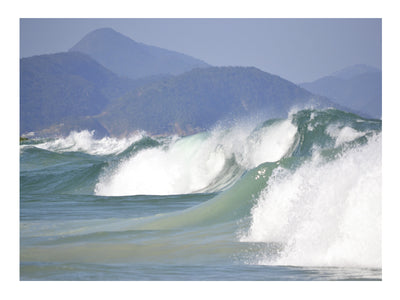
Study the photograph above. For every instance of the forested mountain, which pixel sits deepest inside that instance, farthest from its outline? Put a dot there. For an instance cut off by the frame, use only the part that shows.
(358, 87)
(128, 58)
(196, 100)
(71, 91)
(64, 87)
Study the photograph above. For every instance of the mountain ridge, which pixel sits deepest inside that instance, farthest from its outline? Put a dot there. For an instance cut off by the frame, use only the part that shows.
(61, 87)
(128, 58)
(198, 99)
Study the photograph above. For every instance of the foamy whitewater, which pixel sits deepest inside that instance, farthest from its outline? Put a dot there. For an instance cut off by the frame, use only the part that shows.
(191, 164)
(287, 199)
(325, 213)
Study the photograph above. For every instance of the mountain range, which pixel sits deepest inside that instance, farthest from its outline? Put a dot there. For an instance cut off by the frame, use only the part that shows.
(64, 87)
(114, 85)
(198, 99)
(357, 87)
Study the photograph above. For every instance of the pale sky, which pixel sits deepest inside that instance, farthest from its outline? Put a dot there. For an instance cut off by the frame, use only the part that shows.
(299, 50)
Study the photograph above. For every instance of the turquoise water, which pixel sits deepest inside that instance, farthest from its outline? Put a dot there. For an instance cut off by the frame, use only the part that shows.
(291, 199)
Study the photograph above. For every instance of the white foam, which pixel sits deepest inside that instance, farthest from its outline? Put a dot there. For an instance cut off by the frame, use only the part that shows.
(192, 163)
(187, 165)
(324, 214)
(84, 141)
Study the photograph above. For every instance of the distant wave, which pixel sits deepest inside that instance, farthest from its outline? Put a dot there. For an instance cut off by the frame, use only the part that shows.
(84, 141)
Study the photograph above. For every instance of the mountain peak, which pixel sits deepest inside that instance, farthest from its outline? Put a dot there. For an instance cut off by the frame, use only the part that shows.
(101, 35)
(105, 30)
(129, 58)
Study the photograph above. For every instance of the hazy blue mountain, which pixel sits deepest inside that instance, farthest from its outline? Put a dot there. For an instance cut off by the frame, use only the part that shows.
(128, 58)
(71, 91)
(63, 87)
(358, 87)
(355, 70)
(196, 100)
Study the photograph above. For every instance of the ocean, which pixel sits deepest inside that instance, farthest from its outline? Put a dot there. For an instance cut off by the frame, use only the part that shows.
(297, 198)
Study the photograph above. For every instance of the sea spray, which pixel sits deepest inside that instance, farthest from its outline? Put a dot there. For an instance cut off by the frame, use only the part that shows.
(325, 213)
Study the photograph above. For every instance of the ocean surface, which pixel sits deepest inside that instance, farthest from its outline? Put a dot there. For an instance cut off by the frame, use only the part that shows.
(282, 199)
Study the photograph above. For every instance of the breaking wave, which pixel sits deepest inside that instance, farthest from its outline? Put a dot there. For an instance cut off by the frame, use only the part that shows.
(305, 190)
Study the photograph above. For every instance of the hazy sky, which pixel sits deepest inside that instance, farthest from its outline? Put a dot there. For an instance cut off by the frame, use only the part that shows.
(296, 49)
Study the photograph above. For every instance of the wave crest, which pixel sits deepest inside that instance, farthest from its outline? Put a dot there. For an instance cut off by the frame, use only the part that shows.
(84, 141)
